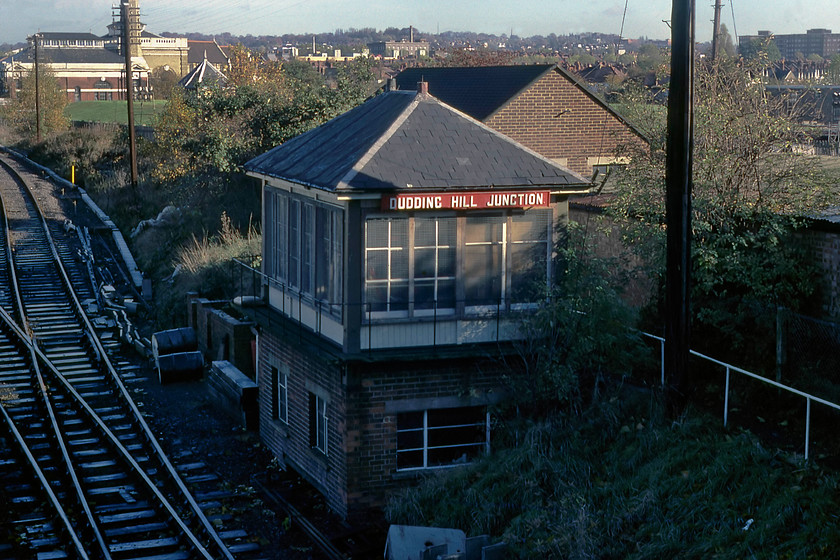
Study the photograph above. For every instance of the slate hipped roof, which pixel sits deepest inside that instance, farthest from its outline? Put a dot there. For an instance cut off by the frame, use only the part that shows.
(203, 74)
(405, 139)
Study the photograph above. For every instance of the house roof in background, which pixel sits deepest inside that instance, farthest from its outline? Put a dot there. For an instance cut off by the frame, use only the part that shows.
(210, 50)
(478, 91)
(205, 73)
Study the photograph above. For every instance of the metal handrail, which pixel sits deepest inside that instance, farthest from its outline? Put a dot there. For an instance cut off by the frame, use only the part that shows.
(730, 368)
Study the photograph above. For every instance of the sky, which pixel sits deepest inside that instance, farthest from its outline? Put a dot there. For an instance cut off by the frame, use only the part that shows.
(19, 18)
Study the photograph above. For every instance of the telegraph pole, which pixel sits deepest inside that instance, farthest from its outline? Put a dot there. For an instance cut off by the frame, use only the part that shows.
(716, 30)
(37, 94)
(128, 41)
(678, 179)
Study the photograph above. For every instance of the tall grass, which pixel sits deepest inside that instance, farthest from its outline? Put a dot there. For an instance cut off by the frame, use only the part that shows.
(624, 485)
(208, 253)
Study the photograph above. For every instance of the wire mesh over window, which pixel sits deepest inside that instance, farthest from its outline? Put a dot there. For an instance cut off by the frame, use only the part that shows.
(529, 255)
(484, 260)
(414, 265)
(386, 265)
(434, 263)
(441, 437)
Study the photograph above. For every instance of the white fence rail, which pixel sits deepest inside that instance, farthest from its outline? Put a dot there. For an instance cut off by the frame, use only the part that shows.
(729, 368)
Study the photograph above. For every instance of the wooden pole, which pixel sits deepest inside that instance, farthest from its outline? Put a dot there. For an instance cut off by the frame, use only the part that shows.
(37, 94)
(678, 178)
(129, 92)
(716, 30)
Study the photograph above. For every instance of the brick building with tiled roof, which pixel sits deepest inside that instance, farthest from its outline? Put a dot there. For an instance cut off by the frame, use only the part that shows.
(401, 240)
(541, 106)
(92, 68)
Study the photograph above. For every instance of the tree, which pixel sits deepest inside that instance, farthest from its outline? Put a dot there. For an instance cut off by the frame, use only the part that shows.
(581, 333)
(20, 112)
(162, 79)
(726, 44)
(216, 129)
(752, 189)
(762, 50)
(834, 69)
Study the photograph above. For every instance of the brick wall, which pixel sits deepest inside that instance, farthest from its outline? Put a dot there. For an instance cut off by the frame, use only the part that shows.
(359, 470)
(824, 245)
(555, 118)
(290, 443)
(375, 393)
(220, 335)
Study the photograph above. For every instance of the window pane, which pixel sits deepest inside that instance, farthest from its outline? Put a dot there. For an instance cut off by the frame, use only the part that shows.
(377, 233)
(446, 294)
(377, 265)
(529, 271)
(424, 263)
(532, 226)
(399, 296)
(424, 294)
(411, 439)
(455, 416)
(452, 455)
(410, 420)
(399, 264)
(376, 295)
(399, 232)
(425, 232)
(409, 459)
(446, 262)
(484, 229)
(483, 274)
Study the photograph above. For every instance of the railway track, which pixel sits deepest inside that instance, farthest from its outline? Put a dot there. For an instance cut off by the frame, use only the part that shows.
(82, 475)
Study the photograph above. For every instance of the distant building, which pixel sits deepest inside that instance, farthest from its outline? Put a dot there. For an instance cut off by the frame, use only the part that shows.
(210, 51)
(400, 49)
(89, 68)
(92, 68)
(821, 42)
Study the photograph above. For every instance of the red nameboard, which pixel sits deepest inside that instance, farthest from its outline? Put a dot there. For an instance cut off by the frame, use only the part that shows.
(467, 200)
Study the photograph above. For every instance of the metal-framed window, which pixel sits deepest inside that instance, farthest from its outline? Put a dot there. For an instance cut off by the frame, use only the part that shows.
(485, 260)
(304, 244)
(386, 265)
(433, 265)
(415, 265)
(318, 423)
(440, 438)
(280, 394)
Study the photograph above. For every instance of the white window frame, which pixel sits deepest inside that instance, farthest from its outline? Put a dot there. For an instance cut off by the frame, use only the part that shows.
(436, 278)
(321, 427)
(291, 239)
(389, 281)
(280, 394)
(425, 448)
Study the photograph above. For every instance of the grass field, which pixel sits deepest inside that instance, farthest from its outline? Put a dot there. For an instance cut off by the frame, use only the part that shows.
(114, 111)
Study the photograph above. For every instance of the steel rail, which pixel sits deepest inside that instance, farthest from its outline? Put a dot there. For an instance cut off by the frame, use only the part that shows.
(39, 379)
(102, 356)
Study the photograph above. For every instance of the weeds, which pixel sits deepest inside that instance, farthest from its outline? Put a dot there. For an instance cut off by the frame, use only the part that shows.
(632, 487)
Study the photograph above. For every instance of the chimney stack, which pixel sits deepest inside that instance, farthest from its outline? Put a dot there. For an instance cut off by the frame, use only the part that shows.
(423, 87)
(410, 33)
